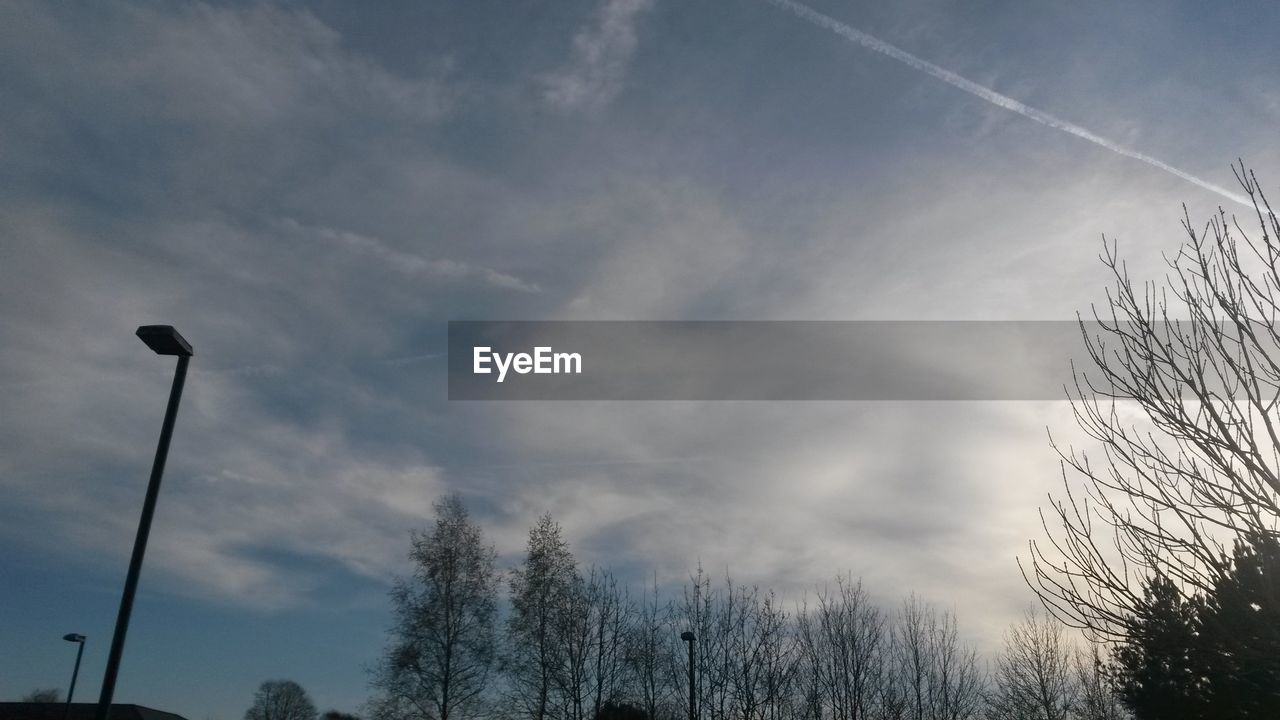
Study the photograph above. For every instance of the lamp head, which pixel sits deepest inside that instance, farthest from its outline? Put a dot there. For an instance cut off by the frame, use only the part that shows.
(165, 340)
(73, 637)
(687, 636)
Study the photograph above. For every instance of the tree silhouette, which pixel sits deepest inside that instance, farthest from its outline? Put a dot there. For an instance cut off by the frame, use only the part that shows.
(622, 711)
(845, 646)
(1160, 668)
(1212, 655)
(438, 663)
(939, 678)
(1097, 697)
(541, 590)
(1166, 497)
(281, 700)
(1033, 676)
(1240, 633)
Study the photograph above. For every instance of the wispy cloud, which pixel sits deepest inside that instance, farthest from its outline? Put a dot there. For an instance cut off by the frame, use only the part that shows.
(410, 263)
(601, 52)
(871, 42)
(413, 359)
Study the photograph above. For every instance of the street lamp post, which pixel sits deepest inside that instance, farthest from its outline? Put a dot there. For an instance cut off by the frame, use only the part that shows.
(75, 638)
(163, 340)
(689, 638)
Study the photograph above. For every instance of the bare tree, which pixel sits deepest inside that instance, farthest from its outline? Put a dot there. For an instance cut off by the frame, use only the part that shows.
(762, 644)
(592, 630)
(844, 641)
(542, 591)
(700, 611)
(573, 633)
(650, 657)
(1033, 677)
(937, 675)
(281, 700)
(1097, 698)
(1199, 359)
(613, 616)
(438, 663)
(43, 695)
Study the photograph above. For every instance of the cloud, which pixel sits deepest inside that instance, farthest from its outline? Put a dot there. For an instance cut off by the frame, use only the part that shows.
(182, 109)
(601, 52)
(251, 487)
(673, 247)
(262, 64)
(241, 508)
(1002, 101)
(346, 513)
(412, 264)
(932, 497)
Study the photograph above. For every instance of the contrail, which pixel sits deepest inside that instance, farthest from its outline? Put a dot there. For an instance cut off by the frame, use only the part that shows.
(873, 43)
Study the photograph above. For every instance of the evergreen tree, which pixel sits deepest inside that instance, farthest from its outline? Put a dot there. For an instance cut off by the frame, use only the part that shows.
(1160, 668)
(1211, 655)
(1240, 633)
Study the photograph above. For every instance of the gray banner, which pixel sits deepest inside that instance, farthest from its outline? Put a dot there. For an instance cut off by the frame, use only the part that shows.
(765, 360)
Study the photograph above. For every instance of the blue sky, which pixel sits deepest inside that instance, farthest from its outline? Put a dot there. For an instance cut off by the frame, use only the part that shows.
(310, 190)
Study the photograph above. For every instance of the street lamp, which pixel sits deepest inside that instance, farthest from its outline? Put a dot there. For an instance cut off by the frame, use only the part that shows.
(163, 340)
(689, 638)
(75, 638)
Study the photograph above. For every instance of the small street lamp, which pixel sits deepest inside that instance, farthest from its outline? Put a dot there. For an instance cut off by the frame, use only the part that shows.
(689, 638)
(75, 638)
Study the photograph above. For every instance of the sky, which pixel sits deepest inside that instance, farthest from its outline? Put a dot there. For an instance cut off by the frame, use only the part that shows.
(310, 191)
